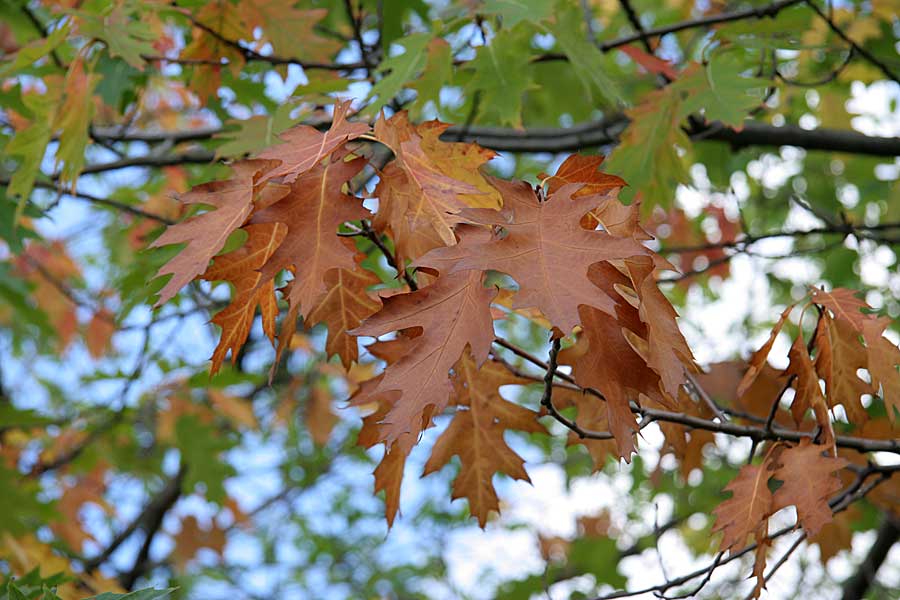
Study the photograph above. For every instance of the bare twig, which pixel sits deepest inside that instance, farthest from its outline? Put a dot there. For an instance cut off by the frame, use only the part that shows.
(871, 58)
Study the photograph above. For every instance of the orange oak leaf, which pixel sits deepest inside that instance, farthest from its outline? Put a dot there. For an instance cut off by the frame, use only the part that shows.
(579, 168)
(223, 18)
(88, 488)
(668, 352)
(192, 538)
(691, 237)
(306, 146)
(611, 366)
(615, 217)
(884, 358)
(844, 304)
(312, 212)
(651, 63)
(389, 472)
(721, 381)
(605, 358)
(320, 420)
(808, 483)
(411, 230)
(49, 268)
(240, 268)
(763, 544)
(808, 393)
(454, 313)
(429, 182)
(749, 507)
(344, 306)
(839, 356)
(98, 334)
(206, 234)
(836, 535)
(544, 248)
(758, 358)
(291, 31)
(687, 446)
(461, 162)
(592, 414)
(476, 434)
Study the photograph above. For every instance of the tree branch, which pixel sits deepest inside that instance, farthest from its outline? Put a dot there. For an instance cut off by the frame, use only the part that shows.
(757, 433)
(855, 587)
(147, 516)
(857, 49)
(607, 131)
(152, 524)
(839, 503)
(739, 15)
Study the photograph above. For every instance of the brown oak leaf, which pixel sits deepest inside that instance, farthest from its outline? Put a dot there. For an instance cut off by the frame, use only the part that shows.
(839, 356)
(306, 146)
(476, 434)
(429, 183)
(544, 248)
(313, 211)
(758, 358)
(808, 393)
(240, 268)
(454, 313)
(344, 306)
(206, 234)
(98, 334)
(884, 358)
(749, 507)
(808, 483)
(844, 304)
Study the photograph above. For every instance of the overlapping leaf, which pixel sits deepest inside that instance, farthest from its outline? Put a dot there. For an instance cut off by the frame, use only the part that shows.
(544, 248)
(454, 314)
(476, 434)
(305, 146)
(206, 234)
(240, 268)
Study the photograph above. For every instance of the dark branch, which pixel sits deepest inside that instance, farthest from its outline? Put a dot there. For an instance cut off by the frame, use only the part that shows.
(152, 524)
(147, 516)
(856, 586)
(857, 49)
(730, 428)
(606, 133)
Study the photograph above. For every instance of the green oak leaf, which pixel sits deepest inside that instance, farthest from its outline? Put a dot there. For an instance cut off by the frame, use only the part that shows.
(586, 59)
(501, 77)
(398, 70)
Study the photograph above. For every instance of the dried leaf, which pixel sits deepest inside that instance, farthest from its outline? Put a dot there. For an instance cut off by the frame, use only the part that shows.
(240, 268)
(306, 146)
(320, 420)
(748, 508)
(476, 434)
(192, 538)
(544, 248)
(808, 484)
(344, 306)
(884, 357)
(839, 356)
(844, 304)
(454, 313)
(758, 359)
(313, 211)
(99, 332)
(207, 233)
